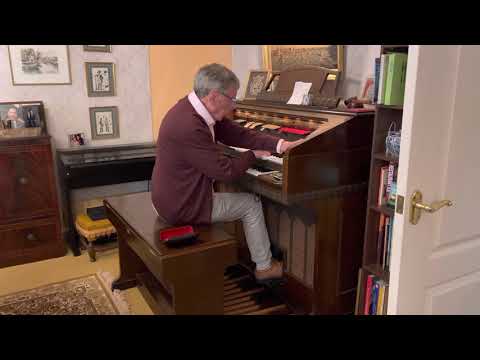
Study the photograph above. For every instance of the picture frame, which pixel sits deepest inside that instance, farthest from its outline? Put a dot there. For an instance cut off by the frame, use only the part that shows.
(22, 119)
(100, 79)
(281, 57)
(39, 64)
(98, 48)
(256, 82)
(104, 122)
(272, 81)
(78, 139)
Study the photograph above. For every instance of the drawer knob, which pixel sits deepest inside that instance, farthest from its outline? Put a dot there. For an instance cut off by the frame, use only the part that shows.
(23, 180)
(31, 237)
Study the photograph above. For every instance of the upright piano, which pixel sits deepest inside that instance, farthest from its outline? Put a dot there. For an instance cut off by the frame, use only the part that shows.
(314, 196)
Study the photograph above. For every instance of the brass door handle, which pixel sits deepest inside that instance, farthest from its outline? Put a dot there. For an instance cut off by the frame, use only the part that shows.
(417, 206)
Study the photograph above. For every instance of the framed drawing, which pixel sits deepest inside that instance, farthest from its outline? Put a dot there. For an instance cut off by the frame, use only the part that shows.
(257, 81)
(22, 119)
(97, 48)
(39, 64)
(104, 122)
(100, 78)
(281, 57)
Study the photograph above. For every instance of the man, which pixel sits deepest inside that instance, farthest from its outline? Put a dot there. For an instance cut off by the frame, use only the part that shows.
(188, 162)
(12, 121)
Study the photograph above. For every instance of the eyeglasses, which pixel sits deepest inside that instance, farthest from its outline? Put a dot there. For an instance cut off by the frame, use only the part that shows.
(232, 99)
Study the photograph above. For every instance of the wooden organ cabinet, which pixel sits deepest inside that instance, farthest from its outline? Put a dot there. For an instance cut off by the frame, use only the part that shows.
(30, 228)
(315, 200)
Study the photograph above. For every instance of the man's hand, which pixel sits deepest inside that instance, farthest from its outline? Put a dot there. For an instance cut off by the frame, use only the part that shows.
(286, 145)
(261, 153)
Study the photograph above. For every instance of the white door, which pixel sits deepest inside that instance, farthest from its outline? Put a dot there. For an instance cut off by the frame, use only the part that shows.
(435, 265)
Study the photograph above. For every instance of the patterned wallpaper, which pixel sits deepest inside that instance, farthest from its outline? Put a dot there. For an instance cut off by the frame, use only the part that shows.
(66, 106)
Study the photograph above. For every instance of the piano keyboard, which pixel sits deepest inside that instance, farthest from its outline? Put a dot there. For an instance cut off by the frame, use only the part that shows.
(275, 159)
(244, 296)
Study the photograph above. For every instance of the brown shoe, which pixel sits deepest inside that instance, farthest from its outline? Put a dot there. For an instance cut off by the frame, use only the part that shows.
(275, 271)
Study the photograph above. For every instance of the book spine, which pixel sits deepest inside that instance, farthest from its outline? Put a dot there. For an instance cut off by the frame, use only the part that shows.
(383, 80)
(368, 294)
(377, 79)
(381, 295)
(394, 90)
(383, 184)
(389, 238)
(373, 308)
(385, 244)
(381, 226)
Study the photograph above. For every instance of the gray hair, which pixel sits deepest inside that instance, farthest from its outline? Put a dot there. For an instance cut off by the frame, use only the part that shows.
(214, 77)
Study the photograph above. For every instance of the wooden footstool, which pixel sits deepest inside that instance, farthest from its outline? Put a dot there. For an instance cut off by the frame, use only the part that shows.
(90, 230)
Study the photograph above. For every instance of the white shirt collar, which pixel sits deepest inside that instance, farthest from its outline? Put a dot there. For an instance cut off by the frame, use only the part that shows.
(201, 109)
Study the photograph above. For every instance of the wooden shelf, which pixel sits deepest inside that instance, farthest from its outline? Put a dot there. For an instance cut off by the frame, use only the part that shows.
(390, 107)
(378, 270)
(385, 157)
(385, 210)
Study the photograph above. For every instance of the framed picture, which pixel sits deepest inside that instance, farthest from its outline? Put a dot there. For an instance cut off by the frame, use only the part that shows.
(22, 119)
(100, 78)
(273, 81)
(257, 81)
(76, 139)
(104, 122)
(97, 48)
(39, 64)
(282, 57)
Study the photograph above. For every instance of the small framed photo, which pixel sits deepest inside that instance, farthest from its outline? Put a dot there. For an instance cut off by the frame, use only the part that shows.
(22, 118)
(104, 122)
(76, 139)
(100, 78)
(39, 64)
(98, 48)
(257, 81)
(273, 81)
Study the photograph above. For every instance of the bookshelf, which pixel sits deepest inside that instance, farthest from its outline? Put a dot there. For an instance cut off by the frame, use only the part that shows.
(374, 252)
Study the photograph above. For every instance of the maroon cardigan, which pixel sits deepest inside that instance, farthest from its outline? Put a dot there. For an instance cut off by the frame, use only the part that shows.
(187, 162)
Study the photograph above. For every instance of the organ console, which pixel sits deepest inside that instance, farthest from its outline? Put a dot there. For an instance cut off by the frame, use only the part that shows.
(314, 198)
(314, 195)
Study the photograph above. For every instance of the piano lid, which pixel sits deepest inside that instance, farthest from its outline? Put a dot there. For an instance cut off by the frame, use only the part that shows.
(95, 154)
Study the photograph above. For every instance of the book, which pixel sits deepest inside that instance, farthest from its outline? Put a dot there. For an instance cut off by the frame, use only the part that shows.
(368, 294)
(382, 199)
(391, 190)
(376, 79)
(381, 228)
(381, 297)
(373, 307)
(395, 82)
(96, 213)
(384, 240)
(383, 77)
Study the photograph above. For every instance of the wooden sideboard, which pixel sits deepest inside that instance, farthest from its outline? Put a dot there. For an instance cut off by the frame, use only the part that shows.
(30, 227)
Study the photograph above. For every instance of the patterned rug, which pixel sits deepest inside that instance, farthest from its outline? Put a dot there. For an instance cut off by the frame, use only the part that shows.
(88, 295)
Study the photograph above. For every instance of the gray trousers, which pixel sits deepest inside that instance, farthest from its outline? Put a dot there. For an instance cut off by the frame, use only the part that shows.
(247, 207)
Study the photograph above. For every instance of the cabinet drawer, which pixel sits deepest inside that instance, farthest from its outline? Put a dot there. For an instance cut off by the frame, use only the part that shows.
(27, 182)
(32, 241)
